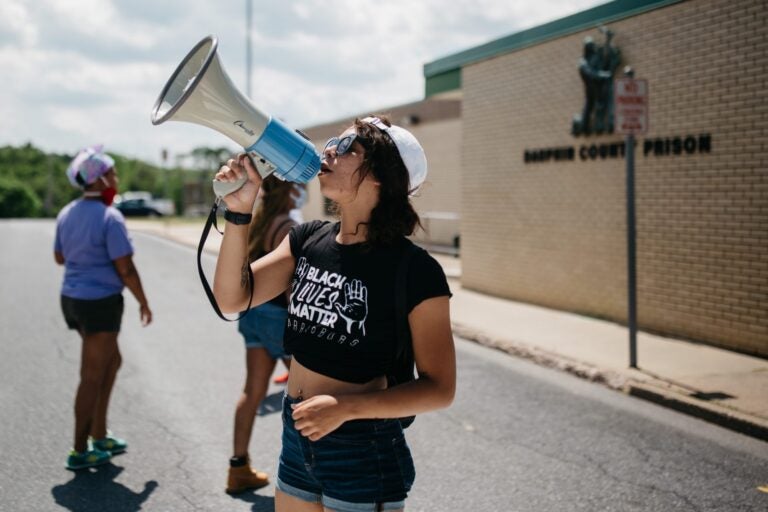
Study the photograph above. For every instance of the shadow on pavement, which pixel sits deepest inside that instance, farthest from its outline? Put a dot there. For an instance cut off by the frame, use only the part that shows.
(95, 490)
(271, 404)
(260, 503)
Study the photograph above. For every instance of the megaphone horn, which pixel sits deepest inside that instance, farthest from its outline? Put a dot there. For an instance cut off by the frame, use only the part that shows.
(201, 92)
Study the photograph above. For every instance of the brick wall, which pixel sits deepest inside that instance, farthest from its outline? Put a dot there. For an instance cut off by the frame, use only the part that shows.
(439, 199)
(553, 233)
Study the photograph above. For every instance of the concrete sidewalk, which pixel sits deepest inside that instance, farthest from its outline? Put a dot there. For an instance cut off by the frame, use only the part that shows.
(717, 385)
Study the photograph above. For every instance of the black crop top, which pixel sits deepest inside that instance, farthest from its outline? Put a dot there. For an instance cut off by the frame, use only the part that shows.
(341, 316)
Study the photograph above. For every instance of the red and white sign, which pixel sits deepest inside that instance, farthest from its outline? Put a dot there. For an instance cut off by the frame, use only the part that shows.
(631, 105)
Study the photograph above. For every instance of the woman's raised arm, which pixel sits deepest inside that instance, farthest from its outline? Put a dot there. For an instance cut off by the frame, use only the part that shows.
(272, 273)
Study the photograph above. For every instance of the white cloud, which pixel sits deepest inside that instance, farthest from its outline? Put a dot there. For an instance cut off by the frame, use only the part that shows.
(97, 20)
(77, 72)
(15, 23)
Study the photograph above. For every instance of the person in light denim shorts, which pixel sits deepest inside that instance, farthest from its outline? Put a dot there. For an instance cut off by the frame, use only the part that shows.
(262, 328)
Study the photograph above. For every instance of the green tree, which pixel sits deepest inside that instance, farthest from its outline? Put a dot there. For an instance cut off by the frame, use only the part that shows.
(17, 199)
(43, 176)
(42, 173)
(207, 161)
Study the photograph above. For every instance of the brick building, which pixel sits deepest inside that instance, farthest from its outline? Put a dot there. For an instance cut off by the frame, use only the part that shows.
(543, 211)
(551, 230)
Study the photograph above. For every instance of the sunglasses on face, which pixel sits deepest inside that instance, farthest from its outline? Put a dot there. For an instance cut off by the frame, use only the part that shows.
(343, 144)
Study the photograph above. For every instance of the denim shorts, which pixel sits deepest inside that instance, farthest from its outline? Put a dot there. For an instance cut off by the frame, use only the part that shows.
(96, 315)
(359, 467)
(263, 327)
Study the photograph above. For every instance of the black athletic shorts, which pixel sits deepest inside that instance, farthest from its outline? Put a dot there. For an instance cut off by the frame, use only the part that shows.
(90, 316)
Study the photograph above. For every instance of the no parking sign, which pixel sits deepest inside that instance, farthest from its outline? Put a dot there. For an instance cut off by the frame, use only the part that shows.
(631, 105)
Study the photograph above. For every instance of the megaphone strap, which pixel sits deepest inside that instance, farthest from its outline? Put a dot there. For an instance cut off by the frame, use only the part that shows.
(211, 221)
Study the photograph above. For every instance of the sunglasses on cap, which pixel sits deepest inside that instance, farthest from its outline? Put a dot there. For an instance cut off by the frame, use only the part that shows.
(343, 144)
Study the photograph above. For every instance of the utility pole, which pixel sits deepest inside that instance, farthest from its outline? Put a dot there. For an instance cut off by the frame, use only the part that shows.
(48, 202)
(164, 160)
(248, 5)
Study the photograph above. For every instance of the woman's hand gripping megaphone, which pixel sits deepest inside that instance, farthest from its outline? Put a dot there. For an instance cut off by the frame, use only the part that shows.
(236, 169)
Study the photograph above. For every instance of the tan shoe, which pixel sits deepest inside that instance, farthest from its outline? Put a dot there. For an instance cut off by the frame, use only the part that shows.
(245, 478)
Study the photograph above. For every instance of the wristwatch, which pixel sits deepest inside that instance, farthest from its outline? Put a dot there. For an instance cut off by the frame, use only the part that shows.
(237, 218)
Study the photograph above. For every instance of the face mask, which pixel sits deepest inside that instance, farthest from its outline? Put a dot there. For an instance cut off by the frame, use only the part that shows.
(107, 194)
(299, 196)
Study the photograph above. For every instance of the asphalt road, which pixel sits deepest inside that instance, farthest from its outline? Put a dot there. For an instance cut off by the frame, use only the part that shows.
(518, 437)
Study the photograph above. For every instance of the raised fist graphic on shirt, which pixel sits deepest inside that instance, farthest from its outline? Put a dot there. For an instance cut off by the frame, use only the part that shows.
(301, 270)
(355, 307)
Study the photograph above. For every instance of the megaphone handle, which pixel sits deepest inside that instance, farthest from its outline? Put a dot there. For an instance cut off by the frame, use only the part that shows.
(223, 188)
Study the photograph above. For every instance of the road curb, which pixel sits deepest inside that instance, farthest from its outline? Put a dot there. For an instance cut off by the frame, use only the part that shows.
(659, 392)
(730, 419)
(611, 379)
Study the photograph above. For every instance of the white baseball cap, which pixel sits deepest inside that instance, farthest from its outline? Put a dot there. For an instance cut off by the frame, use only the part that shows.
(409, 148)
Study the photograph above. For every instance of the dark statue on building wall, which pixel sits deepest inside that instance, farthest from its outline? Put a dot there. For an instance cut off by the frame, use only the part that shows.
(596, 68)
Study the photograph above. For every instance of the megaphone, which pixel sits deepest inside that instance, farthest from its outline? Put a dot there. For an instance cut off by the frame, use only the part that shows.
(201, 92)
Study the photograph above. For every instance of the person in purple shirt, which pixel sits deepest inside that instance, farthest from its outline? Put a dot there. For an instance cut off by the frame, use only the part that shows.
(93, 245)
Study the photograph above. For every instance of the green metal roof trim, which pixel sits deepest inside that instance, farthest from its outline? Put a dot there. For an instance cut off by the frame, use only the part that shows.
(601, 14)
(443, 82)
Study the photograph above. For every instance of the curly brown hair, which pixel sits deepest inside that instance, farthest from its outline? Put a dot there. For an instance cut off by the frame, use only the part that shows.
(393, 216)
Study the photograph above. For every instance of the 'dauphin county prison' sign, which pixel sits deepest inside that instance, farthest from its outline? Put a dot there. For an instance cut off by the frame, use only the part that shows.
(659, 146)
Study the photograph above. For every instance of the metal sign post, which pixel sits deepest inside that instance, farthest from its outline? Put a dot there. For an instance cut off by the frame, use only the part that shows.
(631, 110)
(631, 252)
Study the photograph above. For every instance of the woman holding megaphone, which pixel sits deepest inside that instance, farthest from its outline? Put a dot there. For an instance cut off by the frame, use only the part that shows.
(343, 446)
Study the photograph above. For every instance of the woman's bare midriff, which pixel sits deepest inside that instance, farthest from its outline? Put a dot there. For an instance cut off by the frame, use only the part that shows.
(304, 383)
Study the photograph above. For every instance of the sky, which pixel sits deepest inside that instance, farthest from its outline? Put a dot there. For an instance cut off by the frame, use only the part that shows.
(80, 72)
